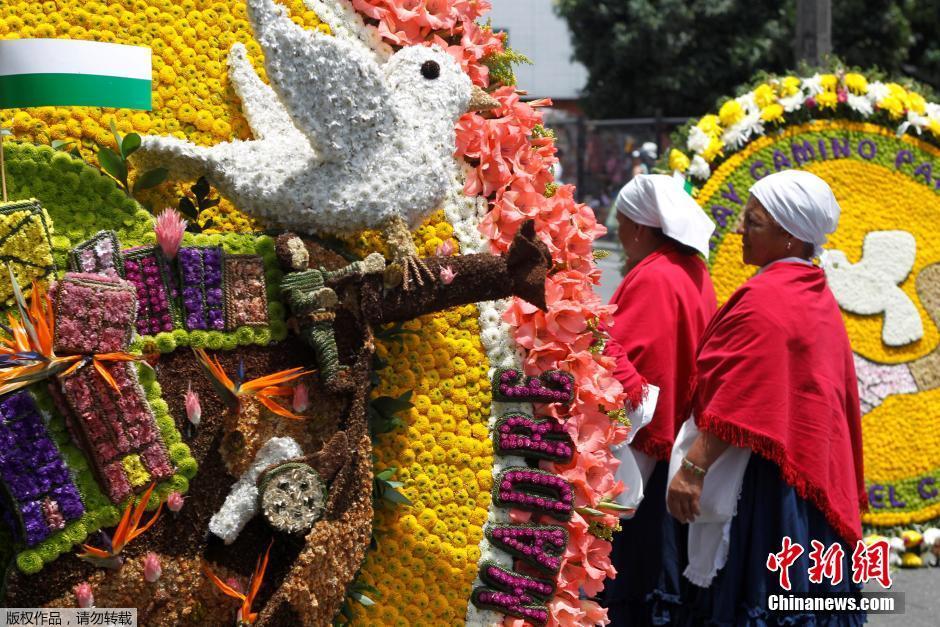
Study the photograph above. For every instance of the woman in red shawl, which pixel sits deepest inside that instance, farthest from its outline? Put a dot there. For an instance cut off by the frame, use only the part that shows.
(774, 445)
(663, 305)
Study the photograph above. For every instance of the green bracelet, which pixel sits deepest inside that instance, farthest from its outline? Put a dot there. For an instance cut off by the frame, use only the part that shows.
(696, 470)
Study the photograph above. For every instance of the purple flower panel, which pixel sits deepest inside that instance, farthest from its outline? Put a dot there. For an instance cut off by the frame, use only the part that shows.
(201, 288)
(32, 469)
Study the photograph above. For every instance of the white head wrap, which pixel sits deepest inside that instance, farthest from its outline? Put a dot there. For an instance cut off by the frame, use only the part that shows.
(802, 203)
(658, 200)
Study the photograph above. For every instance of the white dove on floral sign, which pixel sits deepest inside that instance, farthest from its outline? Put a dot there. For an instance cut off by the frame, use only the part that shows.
(347, 136)
(870, 286)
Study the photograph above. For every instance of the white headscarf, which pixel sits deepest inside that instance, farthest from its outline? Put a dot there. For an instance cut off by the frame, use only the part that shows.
(658, 200)
(802, 203)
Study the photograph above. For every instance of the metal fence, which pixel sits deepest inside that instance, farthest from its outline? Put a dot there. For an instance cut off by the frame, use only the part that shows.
(598, 155)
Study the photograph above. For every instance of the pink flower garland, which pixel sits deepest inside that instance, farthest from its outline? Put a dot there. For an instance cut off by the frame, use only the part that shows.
(512, 167)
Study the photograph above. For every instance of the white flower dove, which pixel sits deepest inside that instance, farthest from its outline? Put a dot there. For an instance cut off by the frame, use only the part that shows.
(343, 142)
(871, 286)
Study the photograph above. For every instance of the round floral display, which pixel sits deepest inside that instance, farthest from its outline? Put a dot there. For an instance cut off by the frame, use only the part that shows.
(882, 264)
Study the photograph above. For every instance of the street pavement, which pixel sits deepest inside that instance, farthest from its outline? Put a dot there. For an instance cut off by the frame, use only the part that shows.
(921, 588)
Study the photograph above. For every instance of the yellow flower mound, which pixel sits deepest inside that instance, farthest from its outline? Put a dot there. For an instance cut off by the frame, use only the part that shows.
(192, 97)
(426, 558)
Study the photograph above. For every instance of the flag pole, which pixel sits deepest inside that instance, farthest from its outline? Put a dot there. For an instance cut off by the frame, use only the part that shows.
(3, 168)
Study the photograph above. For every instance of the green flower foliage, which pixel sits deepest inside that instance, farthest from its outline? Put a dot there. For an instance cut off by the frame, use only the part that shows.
(501, 66)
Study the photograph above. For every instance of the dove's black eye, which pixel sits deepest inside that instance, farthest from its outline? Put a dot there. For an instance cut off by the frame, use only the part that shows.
(430, 70)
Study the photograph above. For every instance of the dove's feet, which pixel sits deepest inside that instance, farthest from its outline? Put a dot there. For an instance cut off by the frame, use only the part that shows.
(414, 270)
(407, 271)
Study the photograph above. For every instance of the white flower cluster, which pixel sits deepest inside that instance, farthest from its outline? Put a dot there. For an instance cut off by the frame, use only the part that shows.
(870, 286)
(346, 23)
(865, 99)
(343, 143)
(241, 504)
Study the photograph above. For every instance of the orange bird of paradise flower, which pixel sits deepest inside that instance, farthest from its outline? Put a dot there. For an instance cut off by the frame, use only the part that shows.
(27, 355)
(265, 388)
(128, 529)
(245, 615)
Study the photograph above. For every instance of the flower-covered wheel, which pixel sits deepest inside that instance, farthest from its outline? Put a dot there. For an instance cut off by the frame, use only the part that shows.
(293, 497)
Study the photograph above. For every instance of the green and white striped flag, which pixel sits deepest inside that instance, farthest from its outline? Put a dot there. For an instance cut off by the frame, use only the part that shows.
(71, 72)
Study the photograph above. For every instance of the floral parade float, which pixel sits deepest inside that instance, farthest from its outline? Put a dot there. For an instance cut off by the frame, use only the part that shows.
(396, 412)
(876, 143)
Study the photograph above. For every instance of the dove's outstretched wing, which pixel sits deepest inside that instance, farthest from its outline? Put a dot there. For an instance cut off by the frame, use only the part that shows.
(333, 90)
(266, 116)
(345, 22)
(889, 255)
(902, 323)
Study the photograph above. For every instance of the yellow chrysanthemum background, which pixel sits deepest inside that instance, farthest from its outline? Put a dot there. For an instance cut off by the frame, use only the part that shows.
(192, 97)
(425, 560)
(902, 435)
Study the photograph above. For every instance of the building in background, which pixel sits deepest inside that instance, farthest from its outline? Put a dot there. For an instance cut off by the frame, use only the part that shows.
(536, 31)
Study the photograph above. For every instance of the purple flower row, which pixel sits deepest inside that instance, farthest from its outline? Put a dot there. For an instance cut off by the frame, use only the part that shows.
(520, 434)
(143, 269)
(539, 545)
(534, 490)
(552, 386)
(203, 300)
(33, 471)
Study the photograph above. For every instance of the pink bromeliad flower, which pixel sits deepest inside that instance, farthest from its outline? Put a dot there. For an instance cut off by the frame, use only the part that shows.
(193, 408)
(170, 228)
(301, 399)
(174, 502)
(84, 595)
(447, 275)
(445, 249)
(152, 568)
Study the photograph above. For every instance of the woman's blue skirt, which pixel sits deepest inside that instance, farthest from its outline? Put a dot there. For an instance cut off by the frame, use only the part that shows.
(637, 554)
(768, 510)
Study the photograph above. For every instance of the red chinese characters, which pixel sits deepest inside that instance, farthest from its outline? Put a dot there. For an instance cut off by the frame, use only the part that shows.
(783, 560)
(826, 564)
(871, 562)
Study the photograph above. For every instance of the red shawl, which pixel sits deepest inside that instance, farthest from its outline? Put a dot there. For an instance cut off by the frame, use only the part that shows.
(663, 306)
(775, 374)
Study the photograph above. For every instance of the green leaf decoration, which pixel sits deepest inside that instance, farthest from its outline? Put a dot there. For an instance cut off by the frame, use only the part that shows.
(151, 178)
(59, 144)
(118, 140)
(394, 496)
(187, 208)
(200, 189)
(361, 599)
(112, 164)
(389, 406)
(130, 144)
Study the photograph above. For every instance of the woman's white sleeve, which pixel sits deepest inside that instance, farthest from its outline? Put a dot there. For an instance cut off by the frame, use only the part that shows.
(709, 533)
(635, 466)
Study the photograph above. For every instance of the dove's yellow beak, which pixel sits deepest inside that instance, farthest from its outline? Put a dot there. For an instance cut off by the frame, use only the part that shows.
(481, 101)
